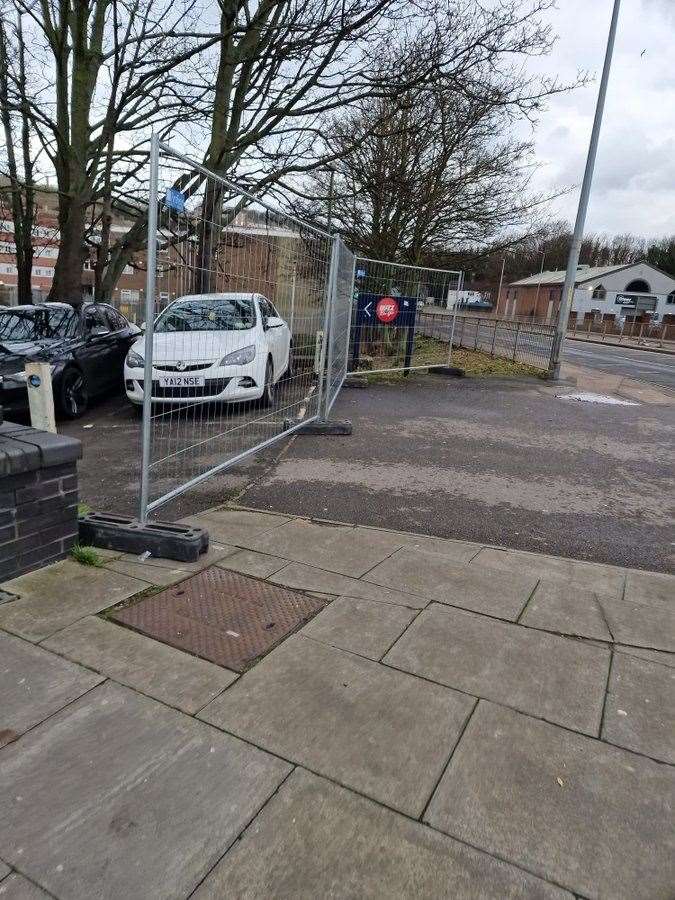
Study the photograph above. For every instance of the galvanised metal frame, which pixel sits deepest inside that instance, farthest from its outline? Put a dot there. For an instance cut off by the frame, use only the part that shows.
(145, 505)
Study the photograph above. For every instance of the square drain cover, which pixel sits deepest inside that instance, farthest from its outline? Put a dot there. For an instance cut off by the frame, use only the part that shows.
(222, 616)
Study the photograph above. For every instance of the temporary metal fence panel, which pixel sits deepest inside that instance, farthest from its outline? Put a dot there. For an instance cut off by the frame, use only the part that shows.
(340, 321)
(390, 304)
(237, 307)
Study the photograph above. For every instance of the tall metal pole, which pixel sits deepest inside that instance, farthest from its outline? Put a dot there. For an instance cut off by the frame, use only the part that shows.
(499, 289)
(541, 272)
(573, 260)
(331, 187)
(149, 323)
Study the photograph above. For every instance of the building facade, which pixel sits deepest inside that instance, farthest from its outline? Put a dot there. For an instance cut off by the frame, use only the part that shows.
(638, 292)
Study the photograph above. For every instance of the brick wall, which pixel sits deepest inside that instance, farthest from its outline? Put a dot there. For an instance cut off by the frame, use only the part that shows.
(38, 498)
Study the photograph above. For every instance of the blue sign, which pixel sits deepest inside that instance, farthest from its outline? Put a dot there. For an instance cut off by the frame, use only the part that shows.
(360, 273)
(175, 199)
(383, 309)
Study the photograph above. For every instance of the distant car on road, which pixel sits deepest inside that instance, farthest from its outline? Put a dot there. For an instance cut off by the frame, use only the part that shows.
(213, 347)
(85, 348)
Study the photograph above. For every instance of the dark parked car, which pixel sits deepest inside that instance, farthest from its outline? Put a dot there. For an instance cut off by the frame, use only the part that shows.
(86, 349)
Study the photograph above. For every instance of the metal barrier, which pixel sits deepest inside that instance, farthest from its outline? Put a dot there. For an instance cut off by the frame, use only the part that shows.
(523, 342)
(389, 301)
(239, 300)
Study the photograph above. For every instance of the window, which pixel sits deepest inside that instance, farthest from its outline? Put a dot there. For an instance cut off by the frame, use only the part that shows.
(94, 318)
(671, 297)
(599, 293)
(116, 321)
(637, 286)
(129, 296)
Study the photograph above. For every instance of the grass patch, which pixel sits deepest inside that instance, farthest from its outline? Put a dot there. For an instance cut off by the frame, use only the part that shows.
(428, 351)
(86, 556)
(83, 509)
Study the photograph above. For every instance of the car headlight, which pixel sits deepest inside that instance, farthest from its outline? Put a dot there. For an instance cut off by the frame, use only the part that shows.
(239, 357)
(135, 360)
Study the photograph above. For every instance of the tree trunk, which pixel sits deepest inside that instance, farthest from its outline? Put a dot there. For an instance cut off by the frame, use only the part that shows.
(67, 284)
(205, 278)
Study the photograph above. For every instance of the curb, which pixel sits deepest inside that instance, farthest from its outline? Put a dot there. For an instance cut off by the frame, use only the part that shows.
(622, 346)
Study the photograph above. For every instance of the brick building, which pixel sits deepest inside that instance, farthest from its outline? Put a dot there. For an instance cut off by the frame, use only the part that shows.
(637, 292)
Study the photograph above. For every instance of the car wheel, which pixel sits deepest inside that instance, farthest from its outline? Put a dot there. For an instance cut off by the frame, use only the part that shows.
(73, 394)
(268, 393)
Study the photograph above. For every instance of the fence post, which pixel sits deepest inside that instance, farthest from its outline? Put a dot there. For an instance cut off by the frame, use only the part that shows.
(574, 331)
(663, 335)
(327, 345)
(475, 343)
(604, 330)
(515, 343)
(494, 340)
(153, 201)
(642, 325)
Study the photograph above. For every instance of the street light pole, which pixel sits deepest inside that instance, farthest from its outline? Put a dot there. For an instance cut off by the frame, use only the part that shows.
(541, 272)
(573, 259)
(499, 289)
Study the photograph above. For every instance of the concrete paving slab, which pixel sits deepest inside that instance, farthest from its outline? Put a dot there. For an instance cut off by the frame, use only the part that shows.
(657, 656)
(4, 870)
(566, 610)
(496, 593)
(343, 716)
(591, 817)
(162, 672)
(588, 576)
(343, 549)
(236, 526)
(157, 575)
(640, 708)
(58, 595)
(216, 552)
(318, 581)
(362, 626)
(460, 552)
(649, 587)
(314, 839)
(541, 674)
(16, 887)
(650, 625)
(250, 562)
(119, 796)
(35, 684)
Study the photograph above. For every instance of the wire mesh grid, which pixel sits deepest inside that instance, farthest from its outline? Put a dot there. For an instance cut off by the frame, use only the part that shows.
(342, 288)
(235, 339)
(393, 306)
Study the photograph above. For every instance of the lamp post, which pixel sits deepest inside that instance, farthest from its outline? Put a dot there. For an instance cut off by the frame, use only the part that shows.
(541, 272)
(573, 259)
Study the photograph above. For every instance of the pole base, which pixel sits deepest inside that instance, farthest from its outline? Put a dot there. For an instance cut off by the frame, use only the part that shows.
(163, 539)
(329, 426)
(356, 381)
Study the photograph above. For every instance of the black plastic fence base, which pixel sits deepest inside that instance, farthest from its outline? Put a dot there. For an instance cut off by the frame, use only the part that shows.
(181, 542)
(329, 426)
(446, 371)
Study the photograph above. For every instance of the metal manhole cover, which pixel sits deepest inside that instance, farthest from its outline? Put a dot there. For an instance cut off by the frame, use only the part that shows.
(222, 616)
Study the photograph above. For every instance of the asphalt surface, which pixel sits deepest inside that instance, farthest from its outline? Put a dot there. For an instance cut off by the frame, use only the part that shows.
(511, 465)
(495, 462)
(644, 365)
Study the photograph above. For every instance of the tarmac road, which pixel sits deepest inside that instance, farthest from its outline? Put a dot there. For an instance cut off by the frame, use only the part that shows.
(644, 365)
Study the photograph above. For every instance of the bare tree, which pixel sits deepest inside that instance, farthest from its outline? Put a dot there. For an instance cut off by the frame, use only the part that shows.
(20, 171)
(434, 168)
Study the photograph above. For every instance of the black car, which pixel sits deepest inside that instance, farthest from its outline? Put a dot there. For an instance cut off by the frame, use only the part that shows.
(86, 348)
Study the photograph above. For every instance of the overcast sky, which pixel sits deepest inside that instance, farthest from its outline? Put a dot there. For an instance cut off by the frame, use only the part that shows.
(634, 184)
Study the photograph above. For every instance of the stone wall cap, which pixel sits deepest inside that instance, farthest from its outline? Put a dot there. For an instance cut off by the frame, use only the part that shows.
(24, 449)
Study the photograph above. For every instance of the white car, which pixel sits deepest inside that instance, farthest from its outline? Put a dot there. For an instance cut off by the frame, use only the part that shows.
(213, 347)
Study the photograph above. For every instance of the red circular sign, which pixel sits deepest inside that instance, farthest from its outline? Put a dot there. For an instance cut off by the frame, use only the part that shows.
(386, 309)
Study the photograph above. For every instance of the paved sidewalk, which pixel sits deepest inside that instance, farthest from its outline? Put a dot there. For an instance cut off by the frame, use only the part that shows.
(457, 721)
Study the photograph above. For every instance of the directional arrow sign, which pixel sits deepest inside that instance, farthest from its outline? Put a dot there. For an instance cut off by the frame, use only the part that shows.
(366, 310)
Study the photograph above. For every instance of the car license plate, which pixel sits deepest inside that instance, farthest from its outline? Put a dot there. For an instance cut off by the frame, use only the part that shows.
(181, 381)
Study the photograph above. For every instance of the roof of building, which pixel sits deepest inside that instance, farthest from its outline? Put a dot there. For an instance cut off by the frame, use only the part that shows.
(584, 273)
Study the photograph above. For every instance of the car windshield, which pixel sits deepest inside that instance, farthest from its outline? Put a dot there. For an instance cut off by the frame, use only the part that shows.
(219, 314)
(17, 325)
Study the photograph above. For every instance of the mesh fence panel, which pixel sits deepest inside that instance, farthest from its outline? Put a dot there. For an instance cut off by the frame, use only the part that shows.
(390, 316)
(235, 334)
(340, 321)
